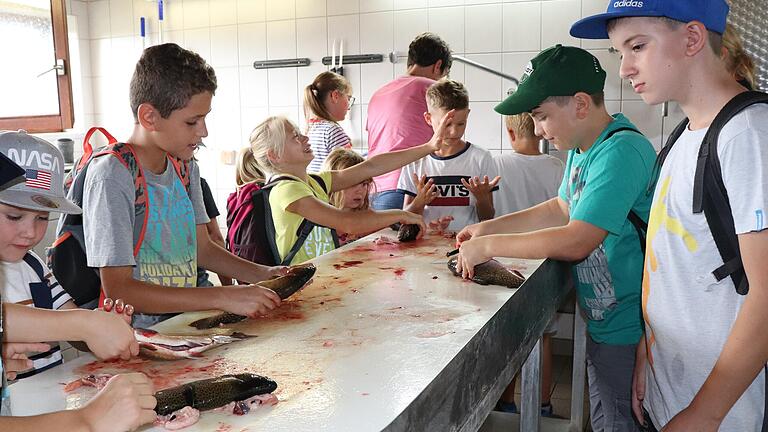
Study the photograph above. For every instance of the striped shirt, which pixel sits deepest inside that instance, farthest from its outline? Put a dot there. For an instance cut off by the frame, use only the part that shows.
(324, 136)
(30, 282)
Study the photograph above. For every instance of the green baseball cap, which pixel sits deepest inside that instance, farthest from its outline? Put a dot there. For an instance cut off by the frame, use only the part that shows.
(556, 71)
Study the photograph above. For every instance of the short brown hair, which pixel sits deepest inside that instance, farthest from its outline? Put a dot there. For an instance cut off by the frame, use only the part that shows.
(426, 49)
(167, 76)
(447, 94)
(597, 98)
(521, 124)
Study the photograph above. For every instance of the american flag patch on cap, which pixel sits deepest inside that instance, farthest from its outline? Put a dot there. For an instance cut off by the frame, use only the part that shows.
(38, 179)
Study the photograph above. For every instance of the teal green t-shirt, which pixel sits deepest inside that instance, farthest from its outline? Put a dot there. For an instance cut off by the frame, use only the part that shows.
(600, 186)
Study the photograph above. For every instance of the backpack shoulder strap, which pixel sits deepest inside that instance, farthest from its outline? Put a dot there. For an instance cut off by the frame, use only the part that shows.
(40, 292)
(35, 265)
(182, 169)
(711, 197)
(125, 154)
(320, 181)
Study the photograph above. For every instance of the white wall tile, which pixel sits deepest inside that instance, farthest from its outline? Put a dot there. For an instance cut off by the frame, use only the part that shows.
(522, 26)
(376, 5)
(310, 8)
(281, 39)
(101, 57)
(251, 43)
(126, 54)
(281, 9)
(121, 17)
(440, 3)
(610, 63)
(253, 87)
(224, 46)
(173, 15)
(282, 87)
(408, 24)
(80, 11)
(556, 19)
(147, 10)
(514, 64)
(196, 14)
(646, 118)
(98, 19)
(249, 118)
(483, 86)
(409, 4)
(343, 7)
(199, 41)
(377, 33)
(346, 28)
(312, 38)
(613, 107)
(484, 125)
(374, 76)
(474, 2)
(223, 12)
(292, 112)
(363, 146)
(483, 28)
(250, 11)
(457, 71)
(448, 22)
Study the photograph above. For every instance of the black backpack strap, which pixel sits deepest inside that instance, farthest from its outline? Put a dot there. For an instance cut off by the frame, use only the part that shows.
(40, 291)
(711, 197)
(640, 225)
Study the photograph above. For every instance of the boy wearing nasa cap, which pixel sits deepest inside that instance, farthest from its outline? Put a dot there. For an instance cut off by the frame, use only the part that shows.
(595, 221)
(702, 362)
(24, 213)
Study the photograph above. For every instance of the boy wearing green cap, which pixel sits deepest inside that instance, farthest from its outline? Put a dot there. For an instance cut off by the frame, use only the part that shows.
(702, 362)
(606, 181)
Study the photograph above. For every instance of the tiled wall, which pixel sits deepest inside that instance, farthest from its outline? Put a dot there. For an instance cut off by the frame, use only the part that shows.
(231, 34)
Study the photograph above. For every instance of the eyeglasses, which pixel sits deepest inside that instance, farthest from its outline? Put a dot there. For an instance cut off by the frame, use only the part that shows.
(351, 100)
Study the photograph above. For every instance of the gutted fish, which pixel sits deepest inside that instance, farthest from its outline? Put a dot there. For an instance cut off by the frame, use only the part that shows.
(156, 345)
(284, 286)
(211, 393)
(491, 273)
(408, 232)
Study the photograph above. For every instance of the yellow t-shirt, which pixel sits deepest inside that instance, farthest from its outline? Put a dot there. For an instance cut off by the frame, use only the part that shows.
(320, 240)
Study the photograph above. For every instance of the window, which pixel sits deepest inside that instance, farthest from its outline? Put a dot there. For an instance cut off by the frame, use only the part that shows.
(35, 88)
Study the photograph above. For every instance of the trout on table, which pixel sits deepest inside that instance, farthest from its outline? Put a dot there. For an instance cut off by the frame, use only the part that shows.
(284, 286)
(491, 272)
(159, 346)
(408, 232)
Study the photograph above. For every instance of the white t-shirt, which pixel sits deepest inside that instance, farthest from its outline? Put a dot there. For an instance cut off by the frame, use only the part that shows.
(453, 198)
(21, 279)
(688, 314)
(526, 180)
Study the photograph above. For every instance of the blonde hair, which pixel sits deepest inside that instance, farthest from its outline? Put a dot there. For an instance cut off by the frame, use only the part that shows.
(247, 170)
(269, 136)
(521, 124)
(340, 159)
(318, 92)
(447, 94)
(737, 61)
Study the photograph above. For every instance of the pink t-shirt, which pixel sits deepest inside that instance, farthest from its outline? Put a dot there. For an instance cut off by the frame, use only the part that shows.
(396, 121)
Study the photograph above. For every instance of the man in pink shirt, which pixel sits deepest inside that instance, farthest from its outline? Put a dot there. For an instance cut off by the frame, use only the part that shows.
(396, 112)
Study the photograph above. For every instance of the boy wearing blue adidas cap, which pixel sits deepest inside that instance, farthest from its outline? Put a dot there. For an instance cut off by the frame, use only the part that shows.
(591, 222)
(702, 363)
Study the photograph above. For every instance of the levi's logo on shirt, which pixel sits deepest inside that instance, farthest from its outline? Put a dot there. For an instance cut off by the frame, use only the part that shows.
(450, 191)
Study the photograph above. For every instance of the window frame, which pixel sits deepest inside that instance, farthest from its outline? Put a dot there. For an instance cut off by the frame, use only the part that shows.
(66, 117)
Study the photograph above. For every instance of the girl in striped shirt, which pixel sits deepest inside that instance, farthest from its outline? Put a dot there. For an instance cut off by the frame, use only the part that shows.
(326, 102)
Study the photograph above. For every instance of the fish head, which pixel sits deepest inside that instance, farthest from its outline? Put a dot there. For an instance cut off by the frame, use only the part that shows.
(250, 384)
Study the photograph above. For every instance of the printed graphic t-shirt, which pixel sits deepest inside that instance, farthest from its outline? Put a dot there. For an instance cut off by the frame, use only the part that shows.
(168, 254)
(453, 198)
(688, 314)
(601, 186)
(286, 192)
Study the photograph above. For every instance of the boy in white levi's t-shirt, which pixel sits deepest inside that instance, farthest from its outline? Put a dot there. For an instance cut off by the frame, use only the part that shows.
(457, 181)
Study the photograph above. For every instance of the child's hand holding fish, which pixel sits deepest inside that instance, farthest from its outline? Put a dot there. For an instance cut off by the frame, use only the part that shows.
(471, 253)
(125, 403)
